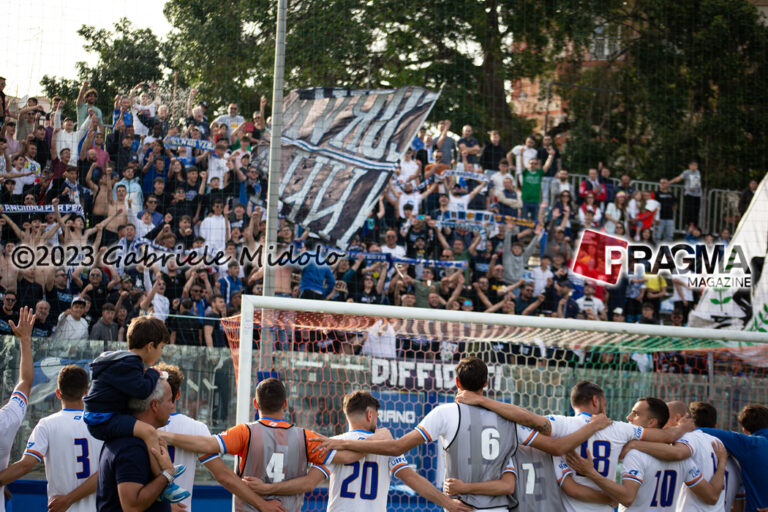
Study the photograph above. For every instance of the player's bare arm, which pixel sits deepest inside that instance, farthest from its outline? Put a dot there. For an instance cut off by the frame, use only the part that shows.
(501, 487)
(290, 487)
(425, 488)
(197, 444)
(17, 470)
(63, 502)
(583, 493)
(562, 445)
(508, 411)
(392, 448)
(625, 493)
(662, 451)
(231, 482)
(709, 491)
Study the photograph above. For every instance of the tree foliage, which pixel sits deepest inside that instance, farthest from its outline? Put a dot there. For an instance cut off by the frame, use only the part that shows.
(126, 56)
(690, 82)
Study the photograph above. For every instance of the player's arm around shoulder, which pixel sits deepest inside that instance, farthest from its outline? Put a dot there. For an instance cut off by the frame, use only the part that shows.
(292, 487)
(632, 477)
(559, 446)
(507, 411)
(200, 444)
(424, 487)
(378, 446)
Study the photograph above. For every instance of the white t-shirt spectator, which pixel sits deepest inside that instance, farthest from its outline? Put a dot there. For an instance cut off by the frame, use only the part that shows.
(593, 303)
(70, 329)
(458, 203)
(408, 169)
(380, 341)
(214, 230)
(540, 279)
(497, 182)
(217, 168)
(413, 198)
(691, 182)
(231, 121)
(161, 307)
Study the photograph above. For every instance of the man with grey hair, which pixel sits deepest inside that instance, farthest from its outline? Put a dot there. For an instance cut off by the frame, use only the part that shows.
(126, 481)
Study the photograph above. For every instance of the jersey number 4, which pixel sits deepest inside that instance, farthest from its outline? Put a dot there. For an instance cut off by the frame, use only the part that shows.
(275, 467)
(370, 473)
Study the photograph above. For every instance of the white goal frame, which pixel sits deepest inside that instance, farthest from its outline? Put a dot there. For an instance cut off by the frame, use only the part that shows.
(252, 302)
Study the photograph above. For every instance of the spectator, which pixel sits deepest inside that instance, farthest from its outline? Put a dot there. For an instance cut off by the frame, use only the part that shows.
(468, 145)
(493, 153)
(665, 229)
(185, 330)
(616, 213)
(105, 329)
(232, 120)
(445, 143)
(607, 183)
(746, 197)
(523, 154)
(531, 186)
(592, 184)
(559, 185)
(648, 314)
(514, 257)
(72, 326)
(590, 206)
(691, 178)
(44, 325)
(510, 198)
(215, 229)
(8, 313)
(86, 103)
(590, 305)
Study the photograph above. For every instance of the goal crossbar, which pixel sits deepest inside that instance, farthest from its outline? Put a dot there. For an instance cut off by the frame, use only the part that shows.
(251, 303)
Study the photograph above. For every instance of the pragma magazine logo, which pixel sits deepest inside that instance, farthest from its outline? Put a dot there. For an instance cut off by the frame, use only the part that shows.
(605, 258)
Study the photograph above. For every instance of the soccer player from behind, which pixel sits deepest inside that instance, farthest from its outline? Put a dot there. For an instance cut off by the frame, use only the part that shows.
(270, 449)
(649, 483)
(119, 376)
(183, 424)
(587, 399)
(365, 484)
(478, 443)
(13, 412)
(697, 445)
(69, 451)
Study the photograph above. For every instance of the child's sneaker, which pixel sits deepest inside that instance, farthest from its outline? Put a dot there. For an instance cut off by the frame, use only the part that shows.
(173, 494)
(179, 470)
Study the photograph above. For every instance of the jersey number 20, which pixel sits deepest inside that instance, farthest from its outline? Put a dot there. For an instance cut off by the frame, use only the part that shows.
(370, 474)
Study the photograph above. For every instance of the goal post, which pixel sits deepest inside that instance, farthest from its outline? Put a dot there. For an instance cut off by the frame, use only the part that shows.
(406, 357)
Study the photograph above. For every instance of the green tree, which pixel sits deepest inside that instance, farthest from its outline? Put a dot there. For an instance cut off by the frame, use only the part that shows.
(126, 56)
(471, 48)
(691, 78)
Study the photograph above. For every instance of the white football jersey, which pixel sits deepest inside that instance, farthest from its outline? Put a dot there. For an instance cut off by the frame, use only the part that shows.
(11, 416)
(704, 456)
(660, 481)
(182, 424)
(70, 453)
(605, 447)
(362, 485)
(734, 488)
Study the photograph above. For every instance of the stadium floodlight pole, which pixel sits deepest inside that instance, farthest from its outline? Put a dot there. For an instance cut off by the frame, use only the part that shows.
(245, 350)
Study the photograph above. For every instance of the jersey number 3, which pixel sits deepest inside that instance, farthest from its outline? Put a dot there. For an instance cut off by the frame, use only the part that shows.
(85, 468)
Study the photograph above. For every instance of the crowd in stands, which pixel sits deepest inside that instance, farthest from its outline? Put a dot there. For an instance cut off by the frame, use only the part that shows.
(138, 193)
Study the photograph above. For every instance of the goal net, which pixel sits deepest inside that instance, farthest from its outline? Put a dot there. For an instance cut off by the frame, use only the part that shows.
(406, 357)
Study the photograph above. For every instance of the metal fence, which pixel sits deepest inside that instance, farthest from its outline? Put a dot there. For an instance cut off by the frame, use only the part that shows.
(719, 207)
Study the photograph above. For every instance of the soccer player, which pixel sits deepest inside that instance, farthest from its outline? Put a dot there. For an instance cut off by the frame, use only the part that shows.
(183, 424)
(271, 449)
(478, 443)
(13, 412)
(587, 399)
(750, 449)
(696, 445)
(649, 483)
(365, 484)
(62, 440)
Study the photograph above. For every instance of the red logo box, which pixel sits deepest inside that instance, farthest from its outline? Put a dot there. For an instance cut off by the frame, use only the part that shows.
(591, 257)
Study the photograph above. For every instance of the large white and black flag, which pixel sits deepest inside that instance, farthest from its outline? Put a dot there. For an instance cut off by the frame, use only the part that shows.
(339, 149)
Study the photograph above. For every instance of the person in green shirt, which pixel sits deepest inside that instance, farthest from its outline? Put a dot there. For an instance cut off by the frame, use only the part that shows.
(86, 99)
(531, 179)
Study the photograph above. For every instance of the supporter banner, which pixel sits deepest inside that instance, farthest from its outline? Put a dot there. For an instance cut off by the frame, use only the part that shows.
(64, 209)
(424, 376)
(185, 142)
(484, 217)
(463, 224)
(466, 175)
(339, 149)
(734, 308)
(382, 256)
